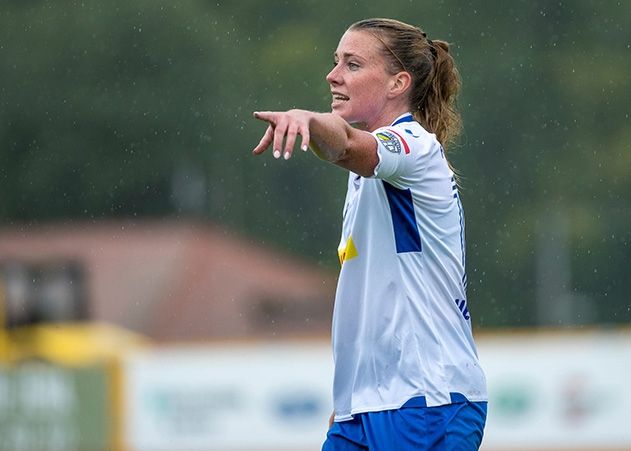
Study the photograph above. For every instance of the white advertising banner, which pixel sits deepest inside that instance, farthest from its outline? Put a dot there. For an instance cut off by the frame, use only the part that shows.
(558, 391)
(548, 391)
(236, 397)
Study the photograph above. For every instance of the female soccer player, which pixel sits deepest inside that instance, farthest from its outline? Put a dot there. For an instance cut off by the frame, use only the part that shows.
(407, 375)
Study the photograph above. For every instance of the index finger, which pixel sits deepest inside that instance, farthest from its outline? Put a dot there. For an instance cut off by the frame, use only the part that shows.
(264, 115)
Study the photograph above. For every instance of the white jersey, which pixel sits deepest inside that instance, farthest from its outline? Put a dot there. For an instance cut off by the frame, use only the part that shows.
(401, 326)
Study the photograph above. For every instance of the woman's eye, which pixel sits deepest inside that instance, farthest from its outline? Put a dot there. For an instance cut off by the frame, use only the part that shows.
(353, 66)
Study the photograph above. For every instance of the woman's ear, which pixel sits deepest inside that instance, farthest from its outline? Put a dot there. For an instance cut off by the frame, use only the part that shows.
(401, 82)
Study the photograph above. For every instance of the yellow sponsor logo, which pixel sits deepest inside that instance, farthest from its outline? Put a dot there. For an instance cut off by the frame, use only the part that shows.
(347, 251)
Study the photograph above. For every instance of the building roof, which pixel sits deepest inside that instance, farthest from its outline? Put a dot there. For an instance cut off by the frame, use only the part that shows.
(175, 280)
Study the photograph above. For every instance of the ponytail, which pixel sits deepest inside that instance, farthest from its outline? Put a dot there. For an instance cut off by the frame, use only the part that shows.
(436, 107)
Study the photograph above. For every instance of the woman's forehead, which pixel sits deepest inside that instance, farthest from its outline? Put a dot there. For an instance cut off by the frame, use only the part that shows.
(357, 43)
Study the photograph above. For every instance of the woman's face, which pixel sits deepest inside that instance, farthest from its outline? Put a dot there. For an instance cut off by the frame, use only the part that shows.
(359, 81)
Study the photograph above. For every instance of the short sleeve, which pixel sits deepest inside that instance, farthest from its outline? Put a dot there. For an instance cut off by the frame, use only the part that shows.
(394, 152)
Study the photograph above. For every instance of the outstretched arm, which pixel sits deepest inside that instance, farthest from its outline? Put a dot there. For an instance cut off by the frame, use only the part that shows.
(330, 137)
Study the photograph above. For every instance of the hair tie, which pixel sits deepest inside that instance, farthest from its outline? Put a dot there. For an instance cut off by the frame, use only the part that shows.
(432, 48)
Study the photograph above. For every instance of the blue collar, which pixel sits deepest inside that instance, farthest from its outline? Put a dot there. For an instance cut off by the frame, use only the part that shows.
(405, 118)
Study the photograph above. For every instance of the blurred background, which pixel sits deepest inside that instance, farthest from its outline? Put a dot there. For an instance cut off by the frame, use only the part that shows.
(161, 288)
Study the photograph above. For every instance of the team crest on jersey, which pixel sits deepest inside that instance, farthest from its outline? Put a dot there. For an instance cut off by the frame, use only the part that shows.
(389, 141)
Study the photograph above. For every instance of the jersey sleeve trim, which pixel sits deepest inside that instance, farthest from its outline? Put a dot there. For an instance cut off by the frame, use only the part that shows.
(406, 148)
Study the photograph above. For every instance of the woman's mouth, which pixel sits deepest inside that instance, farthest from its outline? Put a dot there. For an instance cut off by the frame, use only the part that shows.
(340, 97)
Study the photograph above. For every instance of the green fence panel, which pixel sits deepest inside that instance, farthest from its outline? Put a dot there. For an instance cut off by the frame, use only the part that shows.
(54, 408)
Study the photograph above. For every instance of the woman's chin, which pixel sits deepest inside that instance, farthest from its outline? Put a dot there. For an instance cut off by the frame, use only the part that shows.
(341, 112)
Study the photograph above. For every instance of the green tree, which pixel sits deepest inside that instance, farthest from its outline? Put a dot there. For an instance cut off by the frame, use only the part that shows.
(143, 109)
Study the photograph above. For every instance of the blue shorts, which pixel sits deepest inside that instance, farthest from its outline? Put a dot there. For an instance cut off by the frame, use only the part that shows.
(452, 427)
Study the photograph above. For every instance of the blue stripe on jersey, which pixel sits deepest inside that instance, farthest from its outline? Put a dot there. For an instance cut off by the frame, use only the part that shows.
(462, 245)
(406, 234)
(406, 118)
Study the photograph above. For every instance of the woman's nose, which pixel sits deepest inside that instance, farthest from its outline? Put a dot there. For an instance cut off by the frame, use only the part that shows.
(332, 77)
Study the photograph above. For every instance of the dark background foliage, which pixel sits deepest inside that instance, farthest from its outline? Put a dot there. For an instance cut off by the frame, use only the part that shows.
(144, 109)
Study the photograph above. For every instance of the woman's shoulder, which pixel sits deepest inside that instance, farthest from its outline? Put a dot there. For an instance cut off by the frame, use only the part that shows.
(413, 130)
(413, 136)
